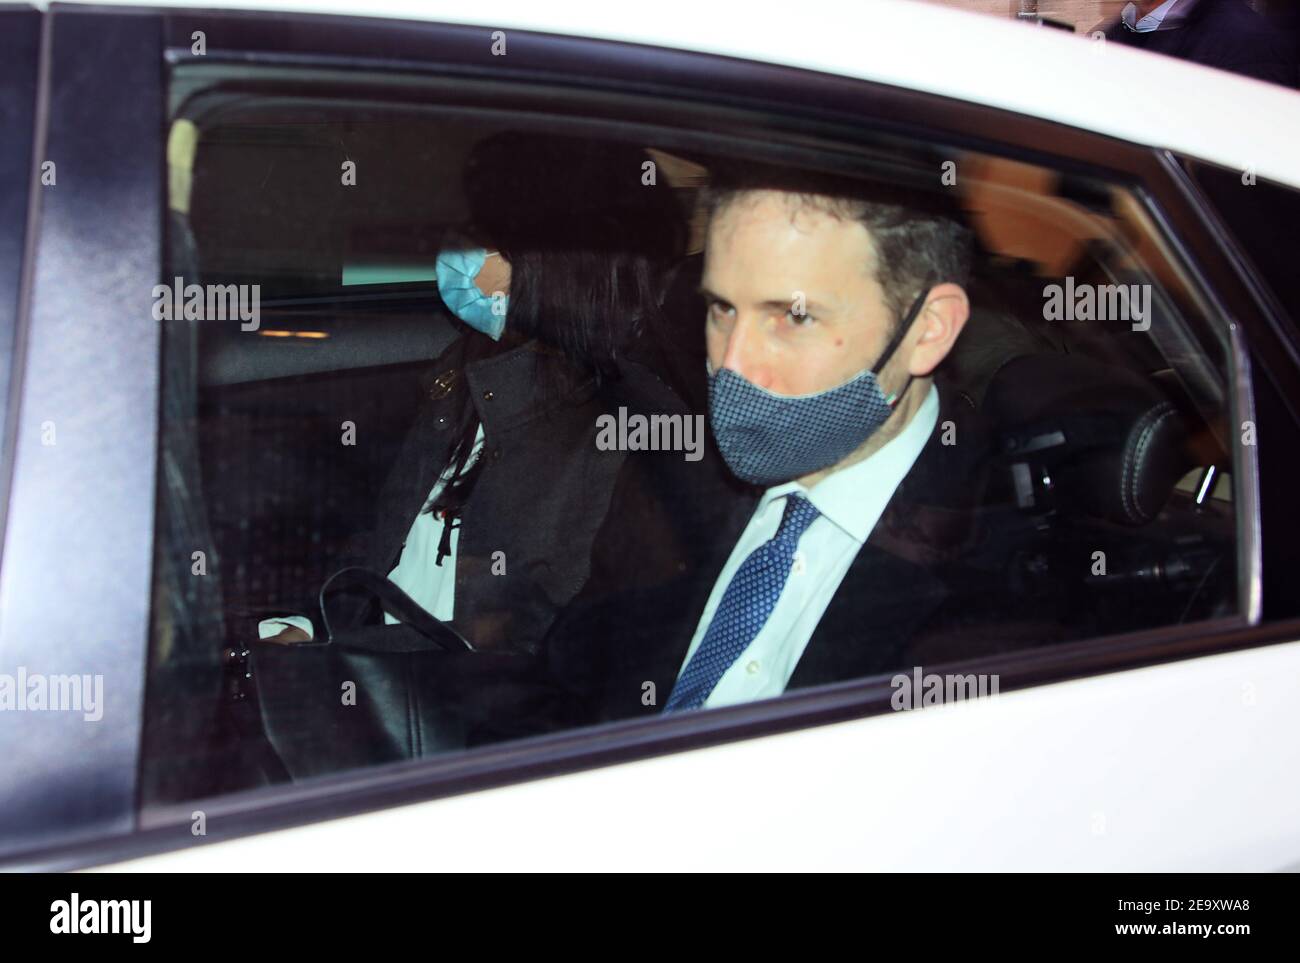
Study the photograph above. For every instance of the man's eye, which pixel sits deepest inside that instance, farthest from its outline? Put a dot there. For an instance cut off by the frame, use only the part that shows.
(719, 309)
(798, 318)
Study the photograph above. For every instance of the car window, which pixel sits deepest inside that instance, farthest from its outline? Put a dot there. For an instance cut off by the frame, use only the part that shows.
(648, 467)
(1257, 213)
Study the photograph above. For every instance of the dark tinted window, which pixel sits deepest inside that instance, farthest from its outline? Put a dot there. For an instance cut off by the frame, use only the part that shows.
(306, 429)
(1262, 217)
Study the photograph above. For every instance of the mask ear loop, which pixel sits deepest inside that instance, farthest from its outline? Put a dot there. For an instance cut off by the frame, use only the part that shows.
(897, 339)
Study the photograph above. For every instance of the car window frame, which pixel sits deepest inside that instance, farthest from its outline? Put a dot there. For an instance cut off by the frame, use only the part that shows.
(18, 88)
(78, 538)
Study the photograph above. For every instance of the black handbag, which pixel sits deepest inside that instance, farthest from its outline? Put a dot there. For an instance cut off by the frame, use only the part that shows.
(364, 695)
(374, 694)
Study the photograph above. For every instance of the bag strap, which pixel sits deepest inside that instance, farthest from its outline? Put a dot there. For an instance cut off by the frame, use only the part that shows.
(396, 603)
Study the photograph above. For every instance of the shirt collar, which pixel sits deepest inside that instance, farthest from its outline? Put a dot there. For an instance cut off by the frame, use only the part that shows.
(1152, 21)
(854, 497)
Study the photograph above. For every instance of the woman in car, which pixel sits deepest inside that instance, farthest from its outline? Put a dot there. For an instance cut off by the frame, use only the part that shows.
(487, 518)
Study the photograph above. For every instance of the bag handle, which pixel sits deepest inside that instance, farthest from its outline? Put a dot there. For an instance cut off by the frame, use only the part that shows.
(394, 601)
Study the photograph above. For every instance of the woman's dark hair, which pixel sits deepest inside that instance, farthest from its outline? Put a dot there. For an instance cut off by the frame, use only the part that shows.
(589, 232)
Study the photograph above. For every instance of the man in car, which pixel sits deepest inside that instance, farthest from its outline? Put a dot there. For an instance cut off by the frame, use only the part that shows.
(836, 525)
(1225, 34)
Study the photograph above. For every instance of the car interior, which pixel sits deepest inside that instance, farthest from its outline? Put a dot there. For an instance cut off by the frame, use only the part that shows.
(1113, 484)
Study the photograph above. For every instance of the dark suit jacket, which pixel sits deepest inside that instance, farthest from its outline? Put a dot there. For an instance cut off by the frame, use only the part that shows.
(926, 570)
(1225, 34)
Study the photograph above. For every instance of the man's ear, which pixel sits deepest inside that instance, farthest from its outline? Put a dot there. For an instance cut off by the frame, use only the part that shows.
(939, 324)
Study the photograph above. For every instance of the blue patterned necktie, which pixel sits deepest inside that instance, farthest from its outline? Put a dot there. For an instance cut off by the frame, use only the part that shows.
(745, 607)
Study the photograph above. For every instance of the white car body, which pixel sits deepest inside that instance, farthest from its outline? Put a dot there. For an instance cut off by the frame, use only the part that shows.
(1175, 768)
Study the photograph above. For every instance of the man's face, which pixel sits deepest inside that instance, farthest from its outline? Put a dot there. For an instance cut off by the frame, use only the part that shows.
(764, 251)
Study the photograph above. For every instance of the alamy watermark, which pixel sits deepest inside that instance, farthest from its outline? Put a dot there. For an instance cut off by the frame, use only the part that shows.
(638, 432)
(75, 916)
(34, 692)
(1098, 302)
(918, 690)
(209, 302)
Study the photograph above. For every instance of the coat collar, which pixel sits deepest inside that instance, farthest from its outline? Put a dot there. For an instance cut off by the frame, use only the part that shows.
(507, 389)
(930, 518)
(510, 388)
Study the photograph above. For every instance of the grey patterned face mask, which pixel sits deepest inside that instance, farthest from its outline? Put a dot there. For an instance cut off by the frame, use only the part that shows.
(767, 438)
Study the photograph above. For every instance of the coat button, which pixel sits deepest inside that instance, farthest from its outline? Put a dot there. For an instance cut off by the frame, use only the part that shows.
(443, 384)
(487, 396)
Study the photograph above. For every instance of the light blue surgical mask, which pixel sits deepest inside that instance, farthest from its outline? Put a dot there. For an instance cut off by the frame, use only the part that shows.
(456, 268)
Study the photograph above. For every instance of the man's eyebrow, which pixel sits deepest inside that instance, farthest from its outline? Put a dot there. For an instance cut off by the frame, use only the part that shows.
(814, 307)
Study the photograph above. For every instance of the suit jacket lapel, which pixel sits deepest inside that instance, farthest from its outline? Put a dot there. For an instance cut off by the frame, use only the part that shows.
(676, 614)
(878, 607)
(893, 586)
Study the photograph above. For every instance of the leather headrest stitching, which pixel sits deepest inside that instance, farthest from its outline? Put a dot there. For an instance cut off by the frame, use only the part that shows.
(1139, 444)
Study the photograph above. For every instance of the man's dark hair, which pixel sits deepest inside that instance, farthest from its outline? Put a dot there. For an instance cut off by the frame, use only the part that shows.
(918, 236)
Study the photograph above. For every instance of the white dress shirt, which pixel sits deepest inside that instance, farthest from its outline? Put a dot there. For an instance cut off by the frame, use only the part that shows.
(850, 501)
(1151, 21)
(416, 573)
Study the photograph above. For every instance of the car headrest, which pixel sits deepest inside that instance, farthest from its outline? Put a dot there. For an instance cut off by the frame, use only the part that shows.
(1088, 436)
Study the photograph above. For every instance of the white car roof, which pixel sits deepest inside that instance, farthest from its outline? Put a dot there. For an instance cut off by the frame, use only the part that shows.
(1068, 78)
